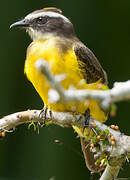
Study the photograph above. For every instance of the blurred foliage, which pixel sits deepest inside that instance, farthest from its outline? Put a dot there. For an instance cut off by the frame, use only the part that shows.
(104, 26)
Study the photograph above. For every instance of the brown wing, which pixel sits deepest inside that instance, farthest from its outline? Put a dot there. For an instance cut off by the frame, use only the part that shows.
(92, 71)
(89, 65)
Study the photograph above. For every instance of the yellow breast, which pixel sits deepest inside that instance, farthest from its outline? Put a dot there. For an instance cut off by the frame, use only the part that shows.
(60, 62)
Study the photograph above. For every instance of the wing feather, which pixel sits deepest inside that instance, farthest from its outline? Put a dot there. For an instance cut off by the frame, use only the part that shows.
(89, 65)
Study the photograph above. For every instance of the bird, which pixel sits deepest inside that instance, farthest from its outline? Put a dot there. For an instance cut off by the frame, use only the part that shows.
(54, 40)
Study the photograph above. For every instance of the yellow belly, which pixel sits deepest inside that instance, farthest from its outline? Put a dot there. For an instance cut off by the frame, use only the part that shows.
(59, 63)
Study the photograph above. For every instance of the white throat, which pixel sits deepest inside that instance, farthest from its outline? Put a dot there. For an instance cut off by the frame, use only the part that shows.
(37, 35)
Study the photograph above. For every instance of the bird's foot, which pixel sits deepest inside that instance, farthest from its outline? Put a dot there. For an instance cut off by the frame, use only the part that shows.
(87, 118)
(43, 116)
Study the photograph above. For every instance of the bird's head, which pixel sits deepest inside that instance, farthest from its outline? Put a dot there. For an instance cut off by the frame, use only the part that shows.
(46, 23)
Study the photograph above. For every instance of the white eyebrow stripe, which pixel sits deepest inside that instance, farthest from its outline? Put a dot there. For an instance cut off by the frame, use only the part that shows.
(50, 14)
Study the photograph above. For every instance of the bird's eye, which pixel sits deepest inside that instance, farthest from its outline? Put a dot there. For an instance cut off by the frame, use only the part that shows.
(42, 20)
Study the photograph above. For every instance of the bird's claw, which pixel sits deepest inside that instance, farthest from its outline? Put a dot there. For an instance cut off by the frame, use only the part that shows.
(43, 115)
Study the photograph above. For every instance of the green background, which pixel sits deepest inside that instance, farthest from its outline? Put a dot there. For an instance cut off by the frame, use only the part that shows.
(104, 26)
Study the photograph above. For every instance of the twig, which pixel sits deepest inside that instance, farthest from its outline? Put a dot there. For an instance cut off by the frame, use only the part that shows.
(42, 66)
(120, 91)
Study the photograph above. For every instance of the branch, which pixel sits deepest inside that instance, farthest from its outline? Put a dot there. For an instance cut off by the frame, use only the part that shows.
(120, 91)
(111, 172)
(65, 119)
(59, 118)
(120, 150)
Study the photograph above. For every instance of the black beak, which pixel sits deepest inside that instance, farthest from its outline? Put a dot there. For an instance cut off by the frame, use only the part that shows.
(21, 24)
